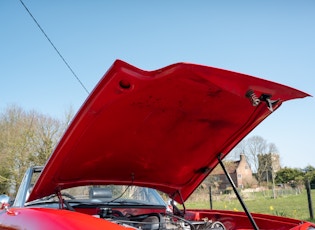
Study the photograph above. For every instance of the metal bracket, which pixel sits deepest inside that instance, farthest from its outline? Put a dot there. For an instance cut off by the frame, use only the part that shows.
(270, 103)
(250, 94)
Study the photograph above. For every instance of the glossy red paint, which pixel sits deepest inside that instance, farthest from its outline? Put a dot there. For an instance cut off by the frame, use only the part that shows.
(239, 220)
(45, 218)
(162, 129)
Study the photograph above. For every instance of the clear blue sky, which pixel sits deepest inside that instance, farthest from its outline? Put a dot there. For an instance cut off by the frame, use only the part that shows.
(274, 40)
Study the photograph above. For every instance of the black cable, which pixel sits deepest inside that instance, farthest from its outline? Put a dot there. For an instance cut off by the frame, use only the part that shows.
(54, 47)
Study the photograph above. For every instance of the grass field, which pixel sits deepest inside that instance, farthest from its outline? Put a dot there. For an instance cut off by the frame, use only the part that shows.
(287, 204)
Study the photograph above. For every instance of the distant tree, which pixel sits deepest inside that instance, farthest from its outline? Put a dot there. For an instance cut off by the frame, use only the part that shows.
(292, 176)
(47, 132)
(310, 175)
(272, 148)
(269, 164)
(4, 180)
(255, 145)
(68, 116)
(27, 138)
(264, 171)
(240, 148)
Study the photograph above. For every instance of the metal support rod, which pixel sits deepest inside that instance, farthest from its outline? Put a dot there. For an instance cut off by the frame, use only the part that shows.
(58, 193)
(237, 194)
(309, 198)
(210, 197)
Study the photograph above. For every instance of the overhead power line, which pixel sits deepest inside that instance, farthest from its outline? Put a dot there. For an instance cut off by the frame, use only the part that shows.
(55, 48)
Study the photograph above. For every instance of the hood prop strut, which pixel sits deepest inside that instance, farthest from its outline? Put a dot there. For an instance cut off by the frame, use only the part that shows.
(176, 210)
(62, 202)
(58, 193)
(237, 194)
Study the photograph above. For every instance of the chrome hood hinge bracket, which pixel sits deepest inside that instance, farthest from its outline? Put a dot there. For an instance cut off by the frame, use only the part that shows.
(263, 97)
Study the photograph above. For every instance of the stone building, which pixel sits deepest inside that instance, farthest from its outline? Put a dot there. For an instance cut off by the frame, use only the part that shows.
(239, 171)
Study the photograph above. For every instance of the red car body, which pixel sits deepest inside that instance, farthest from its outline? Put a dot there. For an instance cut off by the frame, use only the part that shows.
(164, 129)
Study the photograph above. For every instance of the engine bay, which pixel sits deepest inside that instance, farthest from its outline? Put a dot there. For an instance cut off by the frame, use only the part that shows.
(157, 221)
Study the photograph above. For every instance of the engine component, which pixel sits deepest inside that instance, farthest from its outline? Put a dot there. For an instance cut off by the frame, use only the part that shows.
(157, 221)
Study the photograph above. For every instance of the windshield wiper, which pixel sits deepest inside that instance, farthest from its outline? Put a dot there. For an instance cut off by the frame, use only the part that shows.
(40, 201)
(128, 202)
(48, 199)
(110, 203)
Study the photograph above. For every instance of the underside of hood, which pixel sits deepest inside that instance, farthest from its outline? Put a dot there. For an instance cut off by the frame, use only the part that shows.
(163, 129)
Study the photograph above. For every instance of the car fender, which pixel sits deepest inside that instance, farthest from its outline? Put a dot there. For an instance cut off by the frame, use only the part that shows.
(45, 218)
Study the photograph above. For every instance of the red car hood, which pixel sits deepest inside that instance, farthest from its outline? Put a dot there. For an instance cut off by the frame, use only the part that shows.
(162, 129)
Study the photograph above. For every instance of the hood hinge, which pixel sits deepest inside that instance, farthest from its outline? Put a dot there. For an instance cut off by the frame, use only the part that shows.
(263, 97)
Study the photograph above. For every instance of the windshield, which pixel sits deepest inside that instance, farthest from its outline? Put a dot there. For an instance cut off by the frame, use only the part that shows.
(109, 194)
